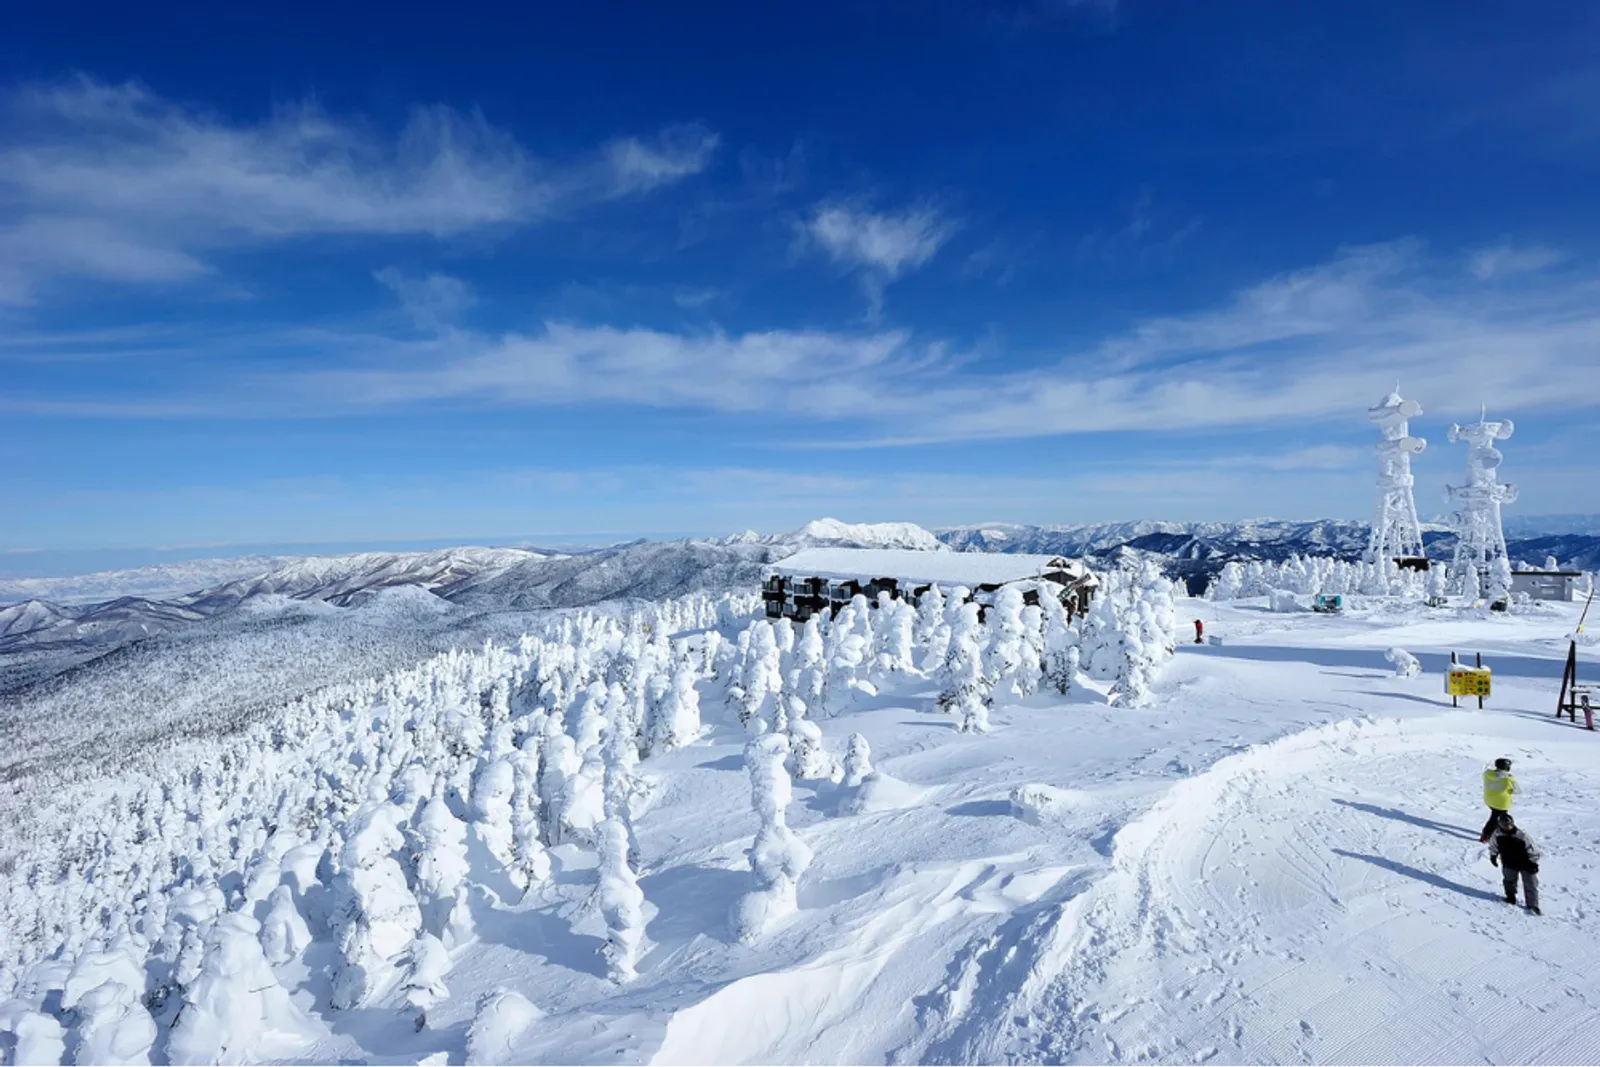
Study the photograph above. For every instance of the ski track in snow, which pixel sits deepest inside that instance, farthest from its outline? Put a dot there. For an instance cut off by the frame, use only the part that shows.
(1267, 911)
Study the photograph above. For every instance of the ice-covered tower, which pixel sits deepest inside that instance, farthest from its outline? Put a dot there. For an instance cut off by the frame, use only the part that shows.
(1395, 530)
(1480, 540)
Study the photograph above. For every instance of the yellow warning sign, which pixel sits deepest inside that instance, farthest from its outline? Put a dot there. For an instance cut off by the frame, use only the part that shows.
(1467, 682)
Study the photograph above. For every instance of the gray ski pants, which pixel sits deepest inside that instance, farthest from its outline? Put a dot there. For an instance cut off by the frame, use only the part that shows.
(1530, 886)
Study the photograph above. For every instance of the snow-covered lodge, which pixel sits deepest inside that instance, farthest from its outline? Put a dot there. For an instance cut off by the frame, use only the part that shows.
(817, 580)
(1547, 585)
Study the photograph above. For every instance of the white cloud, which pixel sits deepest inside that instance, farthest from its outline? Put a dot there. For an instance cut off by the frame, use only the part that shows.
(1502, 259)
(1318, 344)
(433, 301)
(113, 182)
(888, 243)
(677, 152)
(880, 246)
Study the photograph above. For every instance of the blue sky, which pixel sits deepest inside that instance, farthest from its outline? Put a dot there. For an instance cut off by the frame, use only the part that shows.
(306, 276)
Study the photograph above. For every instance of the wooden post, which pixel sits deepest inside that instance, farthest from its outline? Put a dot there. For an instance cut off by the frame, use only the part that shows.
(1479, 656)
(1454, 703)
(1569, 679)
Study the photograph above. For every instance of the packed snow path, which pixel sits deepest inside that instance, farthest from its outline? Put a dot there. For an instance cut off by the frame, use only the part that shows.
(1325, 899)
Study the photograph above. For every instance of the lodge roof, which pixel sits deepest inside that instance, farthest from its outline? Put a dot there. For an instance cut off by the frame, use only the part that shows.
(909, 565)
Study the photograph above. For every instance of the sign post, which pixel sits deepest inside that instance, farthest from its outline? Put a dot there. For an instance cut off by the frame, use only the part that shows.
(1462, 681)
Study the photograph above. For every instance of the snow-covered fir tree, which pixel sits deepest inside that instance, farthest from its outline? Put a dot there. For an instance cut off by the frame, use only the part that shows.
(503, 1017)
(236, 1001)
(376, 915)
(777, 857)
(559, 764)
(1013, 662)
(808, 759)
(965, 690)
(857, 761)
(897, 637)
(113, 1026)
(621, 901)
(427, 962)
(284, 932)
(491, 811)
(1061, 653)
(439, 851)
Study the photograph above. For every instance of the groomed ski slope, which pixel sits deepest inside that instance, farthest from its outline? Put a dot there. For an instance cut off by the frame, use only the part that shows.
(1276, 862)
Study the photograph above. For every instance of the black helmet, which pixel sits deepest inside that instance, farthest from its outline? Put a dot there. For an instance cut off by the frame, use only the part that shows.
(1506, 820)
(1502, 764)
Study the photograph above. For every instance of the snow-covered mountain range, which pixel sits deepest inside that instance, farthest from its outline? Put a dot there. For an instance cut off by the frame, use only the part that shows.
(501, 579)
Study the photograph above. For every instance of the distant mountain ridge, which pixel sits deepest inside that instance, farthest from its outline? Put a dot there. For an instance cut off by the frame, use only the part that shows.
(480, 579)
(477, 579)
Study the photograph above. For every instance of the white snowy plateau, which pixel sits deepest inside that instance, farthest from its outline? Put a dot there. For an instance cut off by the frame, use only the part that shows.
(494, 806)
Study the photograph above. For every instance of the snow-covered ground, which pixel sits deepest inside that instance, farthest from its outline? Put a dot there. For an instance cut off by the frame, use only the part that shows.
(1276, 860)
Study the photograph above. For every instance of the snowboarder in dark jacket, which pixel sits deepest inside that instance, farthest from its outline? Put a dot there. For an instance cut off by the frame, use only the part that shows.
(1516, 854)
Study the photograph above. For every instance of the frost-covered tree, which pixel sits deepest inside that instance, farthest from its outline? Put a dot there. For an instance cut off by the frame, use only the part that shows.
(590, 718)
(1438, 580)
(808, 759)
(284, 933)
(1228, 584)
(763, 677)
(182, 949)
(491, 812)
(777, 857)
(1102, 644)
(427, 962)
(503, 1017)
(811, 664)
(531, 864)
(117, 963)
(1158, 614)
(1013, 664)
(896, 636)
(620, 760)
(1060, 648)
(857, 761)
(439, 849)
(36, 1037)
(965, 691)
(621, 902)
(1500, 579)
(376, 916)
(677, 722)
(236, 1001)
(559, 764)
(1130, 684)
(113, 1026)
(847, 656)
(929, 616)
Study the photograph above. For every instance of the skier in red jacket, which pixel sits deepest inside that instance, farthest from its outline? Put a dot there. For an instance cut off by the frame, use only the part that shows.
(1199, 631)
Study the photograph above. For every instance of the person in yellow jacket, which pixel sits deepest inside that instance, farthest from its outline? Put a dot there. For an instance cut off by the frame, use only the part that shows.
(1498, 789)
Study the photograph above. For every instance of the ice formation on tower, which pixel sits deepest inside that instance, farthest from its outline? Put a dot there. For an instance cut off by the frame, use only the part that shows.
(1480, 540)
(1395, 530)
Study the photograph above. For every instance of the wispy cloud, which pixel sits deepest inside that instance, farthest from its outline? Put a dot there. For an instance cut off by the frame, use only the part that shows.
(1506, 258)
(1315, 344)
(677, 152)
(433, 301)
(880, 246)
(114, 182)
